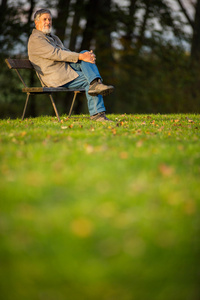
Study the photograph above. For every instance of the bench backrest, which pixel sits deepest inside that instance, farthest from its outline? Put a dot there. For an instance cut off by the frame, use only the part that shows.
(14, 63)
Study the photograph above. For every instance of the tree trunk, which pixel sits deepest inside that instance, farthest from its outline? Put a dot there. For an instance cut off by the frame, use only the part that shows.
(3, 5)
(3, 14)
(32, 103)
(130, 24)
(103, 38)
(190, 21)
(61, 21)
(141, 36)
(91, 16)
(195, 49)
(78, 7)
(30, 12)
(60, 24)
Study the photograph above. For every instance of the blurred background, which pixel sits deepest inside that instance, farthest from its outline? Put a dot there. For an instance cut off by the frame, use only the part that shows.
(148, 49)
(92, 214)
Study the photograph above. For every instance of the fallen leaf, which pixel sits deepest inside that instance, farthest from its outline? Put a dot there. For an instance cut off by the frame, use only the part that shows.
(190, 207)
(121, 123)
(166, 170)
(82, 227)
(114, 131)
(89, 148)
(66, 119)
(123, 155)
(139, 143)
(161, 128)
(180, 147)
(23, 133)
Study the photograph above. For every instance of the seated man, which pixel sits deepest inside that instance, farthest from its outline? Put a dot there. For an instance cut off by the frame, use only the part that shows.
(57, 66)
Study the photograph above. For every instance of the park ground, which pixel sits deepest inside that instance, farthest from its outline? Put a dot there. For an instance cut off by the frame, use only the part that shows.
(100, 211)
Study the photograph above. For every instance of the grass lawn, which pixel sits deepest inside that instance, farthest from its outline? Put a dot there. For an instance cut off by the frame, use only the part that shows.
(100, 211)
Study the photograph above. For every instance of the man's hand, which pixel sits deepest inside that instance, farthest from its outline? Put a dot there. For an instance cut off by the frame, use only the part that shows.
(88, 56)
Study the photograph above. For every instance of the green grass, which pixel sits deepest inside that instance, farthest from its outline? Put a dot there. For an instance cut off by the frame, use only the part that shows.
(100, 211)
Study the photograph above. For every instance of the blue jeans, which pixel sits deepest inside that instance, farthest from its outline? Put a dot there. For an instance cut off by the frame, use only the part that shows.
(87, 73)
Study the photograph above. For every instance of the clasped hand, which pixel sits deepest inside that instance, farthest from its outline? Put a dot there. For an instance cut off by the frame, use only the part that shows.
(88, 56)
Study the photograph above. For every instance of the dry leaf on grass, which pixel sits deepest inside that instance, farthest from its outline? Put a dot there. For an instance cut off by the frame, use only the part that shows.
(166, 170)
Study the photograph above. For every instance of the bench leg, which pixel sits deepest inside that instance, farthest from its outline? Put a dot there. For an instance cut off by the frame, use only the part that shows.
(73, 101)
(27, 97)
(54, 106)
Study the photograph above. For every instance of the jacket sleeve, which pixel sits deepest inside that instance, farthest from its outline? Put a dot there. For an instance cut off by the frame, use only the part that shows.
(41, 47)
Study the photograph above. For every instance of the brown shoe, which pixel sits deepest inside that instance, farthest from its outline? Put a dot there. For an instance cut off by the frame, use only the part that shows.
(100, 117)
(98, 88)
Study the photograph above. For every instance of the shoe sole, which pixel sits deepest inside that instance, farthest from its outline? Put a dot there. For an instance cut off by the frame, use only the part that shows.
(102, 93)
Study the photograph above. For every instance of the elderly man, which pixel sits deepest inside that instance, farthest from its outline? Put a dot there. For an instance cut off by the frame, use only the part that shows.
(58, 66)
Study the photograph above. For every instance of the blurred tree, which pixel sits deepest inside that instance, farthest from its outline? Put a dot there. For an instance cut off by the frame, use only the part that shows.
(195, 27)
(195, 47)
(142, 20)
(91, 12)
(32, 105)
(10, 27)
(104, 27)
(185, 12)
(142, 29)
(3, 6)
(28, 26)
(130, 23)
(60, 22)
(75, 30)
(159, 12)
(11, 39)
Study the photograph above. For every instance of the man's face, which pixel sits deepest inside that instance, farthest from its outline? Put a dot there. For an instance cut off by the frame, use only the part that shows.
(44, 24)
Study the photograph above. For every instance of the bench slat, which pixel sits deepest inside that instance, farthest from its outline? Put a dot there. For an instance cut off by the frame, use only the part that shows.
(50, 90)
(14, 63)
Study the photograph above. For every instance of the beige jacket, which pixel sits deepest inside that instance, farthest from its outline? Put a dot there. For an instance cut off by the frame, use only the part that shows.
(51, 59)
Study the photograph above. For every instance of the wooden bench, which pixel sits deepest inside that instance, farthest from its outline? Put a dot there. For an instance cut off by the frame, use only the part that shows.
(18, 64)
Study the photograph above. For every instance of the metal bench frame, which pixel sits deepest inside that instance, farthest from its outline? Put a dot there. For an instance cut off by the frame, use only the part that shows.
(18, 64)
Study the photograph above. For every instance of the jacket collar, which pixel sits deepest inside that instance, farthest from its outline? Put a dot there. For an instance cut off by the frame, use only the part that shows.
(52, 38)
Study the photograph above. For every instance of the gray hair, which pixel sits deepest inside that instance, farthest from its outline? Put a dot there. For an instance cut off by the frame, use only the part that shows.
(40, 12)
